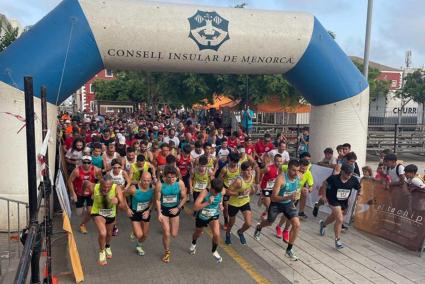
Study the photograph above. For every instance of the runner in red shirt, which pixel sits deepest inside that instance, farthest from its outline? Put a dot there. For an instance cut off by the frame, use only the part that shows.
(241, 136)
(184, 164)
(263, 147)
(80, 183)
(270, 173)
(249, 147)
(233, 141)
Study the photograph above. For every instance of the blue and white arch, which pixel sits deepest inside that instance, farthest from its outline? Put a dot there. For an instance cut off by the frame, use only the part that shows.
(79, 38)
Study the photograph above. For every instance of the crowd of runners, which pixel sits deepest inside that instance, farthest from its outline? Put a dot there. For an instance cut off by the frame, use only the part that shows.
(155, 166)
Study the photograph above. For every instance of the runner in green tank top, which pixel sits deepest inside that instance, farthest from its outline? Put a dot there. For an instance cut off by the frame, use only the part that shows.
(170, 197)
(283, 196)
(208, 205)
(139, 209)
(106, 196)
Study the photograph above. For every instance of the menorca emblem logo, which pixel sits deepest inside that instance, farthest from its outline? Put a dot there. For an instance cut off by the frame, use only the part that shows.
(208, 29)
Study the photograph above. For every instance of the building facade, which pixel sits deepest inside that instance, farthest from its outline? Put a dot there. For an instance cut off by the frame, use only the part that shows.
(390, 109)
(87, 95)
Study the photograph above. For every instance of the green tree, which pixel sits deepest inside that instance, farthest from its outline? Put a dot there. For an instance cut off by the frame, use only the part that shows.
(157, 88)
(9, 34)
(414, 89)
(258, 88)
(189, 88)
(376, 87)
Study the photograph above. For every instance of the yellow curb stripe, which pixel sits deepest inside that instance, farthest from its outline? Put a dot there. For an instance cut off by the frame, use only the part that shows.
(243, 263)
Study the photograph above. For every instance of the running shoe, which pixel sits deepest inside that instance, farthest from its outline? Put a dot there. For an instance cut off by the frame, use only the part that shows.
(167, 256)
(291, 255)
(217, 257)
(139, 250)
(115, 231)
(257, 233)
(302, 215)
(338, 244)
(192, 249)
(316, 209)
(278, 232)
(108, 252)
(83, 229)
(132, 237)
(322, 230)
(242, 238)
(285, 236)
(317, 206)
(102, 258)
(228, 239)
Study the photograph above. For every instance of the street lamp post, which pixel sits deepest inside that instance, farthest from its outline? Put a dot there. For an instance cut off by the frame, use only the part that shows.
(367, 40)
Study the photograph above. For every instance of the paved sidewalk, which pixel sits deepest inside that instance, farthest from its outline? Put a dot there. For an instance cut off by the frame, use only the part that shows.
(127, 267)
(365, 259)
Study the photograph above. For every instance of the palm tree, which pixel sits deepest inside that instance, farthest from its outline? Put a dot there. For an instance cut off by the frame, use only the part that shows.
(7, 33)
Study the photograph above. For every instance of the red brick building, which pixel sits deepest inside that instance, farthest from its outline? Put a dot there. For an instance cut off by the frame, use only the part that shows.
(87, 94)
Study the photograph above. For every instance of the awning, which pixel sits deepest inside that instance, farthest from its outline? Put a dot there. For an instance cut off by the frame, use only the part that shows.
(275, 105)
(219, 101)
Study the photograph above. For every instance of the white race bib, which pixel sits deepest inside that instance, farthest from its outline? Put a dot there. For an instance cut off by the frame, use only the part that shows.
(200, 185)
(231, 180)
(244, 194)
(105, 212)
(343, 194)
(168, 199)
(142, 206)
(270, 184)
(209, 212)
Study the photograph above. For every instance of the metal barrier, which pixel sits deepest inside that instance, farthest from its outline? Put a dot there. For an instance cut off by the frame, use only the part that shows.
(11, 207)
(33, 238)
(401, 138)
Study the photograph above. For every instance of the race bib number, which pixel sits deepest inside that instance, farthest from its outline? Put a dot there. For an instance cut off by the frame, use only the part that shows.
(209, 212)
(142, 206)
(200, 185)
(270, 184)
(105, 212)
(244, 194)
(298, 195)
(343, 194)
(169, 199)
(231, 181)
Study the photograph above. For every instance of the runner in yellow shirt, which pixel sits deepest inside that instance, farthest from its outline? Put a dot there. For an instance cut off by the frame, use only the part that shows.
(240, 191)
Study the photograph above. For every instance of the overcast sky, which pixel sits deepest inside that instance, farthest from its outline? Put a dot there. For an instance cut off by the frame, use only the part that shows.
(398, 25)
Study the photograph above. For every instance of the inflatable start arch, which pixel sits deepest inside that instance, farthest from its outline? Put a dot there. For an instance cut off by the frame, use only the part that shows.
(79, 38)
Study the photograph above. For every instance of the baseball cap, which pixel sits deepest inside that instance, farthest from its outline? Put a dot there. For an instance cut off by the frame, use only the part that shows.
(122, 140)
(346, 168)
(88, 158)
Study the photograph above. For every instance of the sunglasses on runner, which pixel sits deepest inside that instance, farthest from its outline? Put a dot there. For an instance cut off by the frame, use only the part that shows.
(86, 162)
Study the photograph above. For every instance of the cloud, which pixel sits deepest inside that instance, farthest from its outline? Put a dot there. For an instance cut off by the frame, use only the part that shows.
(403, 29)
(27, 12)
(321, 7)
